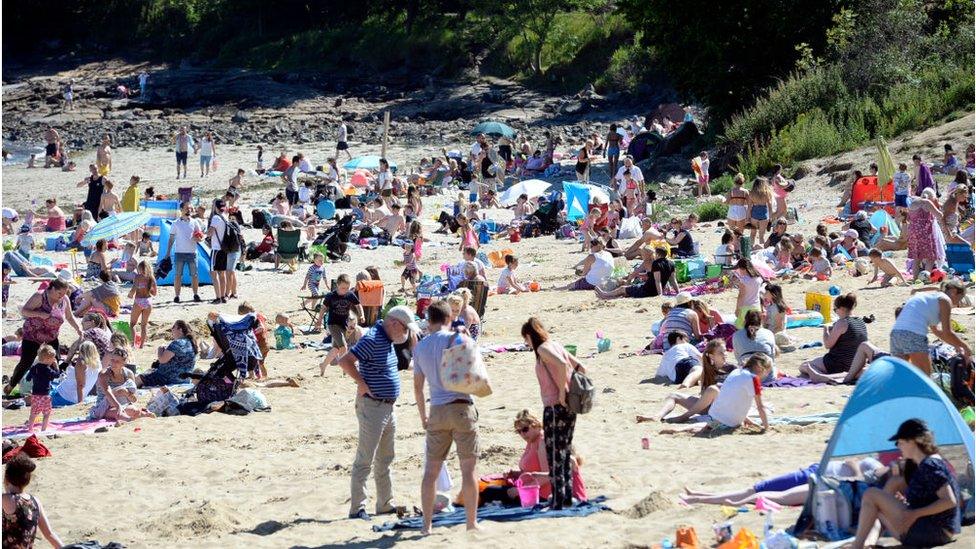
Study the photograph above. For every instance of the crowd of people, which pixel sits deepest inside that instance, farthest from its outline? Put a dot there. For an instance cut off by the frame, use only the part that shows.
(757, 246)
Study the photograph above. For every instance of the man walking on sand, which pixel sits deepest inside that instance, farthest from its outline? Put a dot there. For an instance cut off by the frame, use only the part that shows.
(343, 143)
(453, 418)
(372, 364)
(184, 235)
(183, 143)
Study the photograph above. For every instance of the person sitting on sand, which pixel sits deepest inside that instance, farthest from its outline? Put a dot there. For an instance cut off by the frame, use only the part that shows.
(104, 298)
(55, 216)
(649, 235)
(178, 357)
(534, 465)
(841, 339)
(23, 514)
(79, 378)
(749, 283)
(730, 405)
(712, 362)
(658, 271)
(790, 488)
(774, 316)
(682, 243)
(115, 390)
(394, 224)
(679, 318)
(752, 338)
(508, 282)
(594, 270)
(97, 261)
(463, 314)
(681, 363)
(884, 265)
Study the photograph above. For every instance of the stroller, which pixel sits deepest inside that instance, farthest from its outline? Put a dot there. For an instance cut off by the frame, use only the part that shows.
(336, 238)
(217, 384)
(545, 220)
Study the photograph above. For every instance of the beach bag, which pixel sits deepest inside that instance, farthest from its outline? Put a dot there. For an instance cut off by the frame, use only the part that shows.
(462, 369)
(163, 268)
(232, 241)
(580, 394)
(370, 293)
(630, 227)
(163, 404)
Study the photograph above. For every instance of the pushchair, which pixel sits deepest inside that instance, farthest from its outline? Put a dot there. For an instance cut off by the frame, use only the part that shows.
(218, 383)
(336, 238)
(545, 220)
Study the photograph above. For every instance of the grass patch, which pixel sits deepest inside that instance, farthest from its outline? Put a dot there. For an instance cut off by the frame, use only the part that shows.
(711, 211)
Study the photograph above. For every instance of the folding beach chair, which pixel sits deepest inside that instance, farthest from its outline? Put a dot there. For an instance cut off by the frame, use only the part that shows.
(288, 246)
(960, 258)
(479, 294)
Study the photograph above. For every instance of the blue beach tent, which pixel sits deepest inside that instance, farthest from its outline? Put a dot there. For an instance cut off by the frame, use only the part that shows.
(577, 200)
(203, 258)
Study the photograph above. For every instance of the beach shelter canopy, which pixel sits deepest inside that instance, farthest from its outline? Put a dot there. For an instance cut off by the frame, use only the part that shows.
(203, 258)
(578, 197)
(643, 144)
(890, 392)
(534, 188)
(866, 189)
(368, 162)
(115, 226)
(494, 129)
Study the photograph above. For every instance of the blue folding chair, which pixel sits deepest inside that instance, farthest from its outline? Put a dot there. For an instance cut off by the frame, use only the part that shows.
(960, 258)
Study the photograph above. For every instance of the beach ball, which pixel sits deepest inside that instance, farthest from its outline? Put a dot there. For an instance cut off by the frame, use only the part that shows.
(834, 290)
(534, 286)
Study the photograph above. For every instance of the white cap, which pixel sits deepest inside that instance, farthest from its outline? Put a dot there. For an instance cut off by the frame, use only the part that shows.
(403, 315)
(682, 298)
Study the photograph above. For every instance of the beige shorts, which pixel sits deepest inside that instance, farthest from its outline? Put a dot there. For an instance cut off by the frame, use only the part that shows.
(338, 334)
(456, 422)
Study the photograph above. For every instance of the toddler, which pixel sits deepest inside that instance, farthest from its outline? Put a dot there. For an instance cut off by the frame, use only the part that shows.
(41, 375)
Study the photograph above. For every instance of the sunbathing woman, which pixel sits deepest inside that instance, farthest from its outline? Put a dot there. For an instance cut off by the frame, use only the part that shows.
(713, 359)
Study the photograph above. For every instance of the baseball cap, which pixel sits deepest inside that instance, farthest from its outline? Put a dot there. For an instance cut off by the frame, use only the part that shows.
(682, 298)
(851, 233)
(910, 429)
(403, 315)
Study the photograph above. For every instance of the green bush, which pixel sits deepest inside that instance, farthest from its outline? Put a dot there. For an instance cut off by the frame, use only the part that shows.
(629, 66)
(712, 211)
(721, 184)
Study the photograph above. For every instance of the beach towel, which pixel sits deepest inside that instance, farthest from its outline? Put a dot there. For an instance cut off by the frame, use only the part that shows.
(789, 381)
(498, 513)
(814, 419)
(74, 426)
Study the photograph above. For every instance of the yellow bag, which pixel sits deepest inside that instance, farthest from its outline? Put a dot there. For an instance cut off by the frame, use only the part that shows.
(821, 303)
(743, 539)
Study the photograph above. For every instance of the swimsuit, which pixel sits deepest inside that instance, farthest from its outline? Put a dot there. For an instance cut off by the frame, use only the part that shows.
(738, 211)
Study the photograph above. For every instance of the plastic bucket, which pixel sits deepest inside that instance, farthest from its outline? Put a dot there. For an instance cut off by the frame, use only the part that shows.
(528, 494)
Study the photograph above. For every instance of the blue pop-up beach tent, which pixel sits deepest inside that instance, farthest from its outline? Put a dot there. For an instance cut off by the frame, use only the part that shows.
(577, 200)
(890, 392)
(203, 257)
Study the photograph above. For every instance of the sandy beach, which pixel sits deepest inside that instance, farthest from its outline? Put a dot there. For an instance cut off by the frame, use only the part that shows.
(281, 479)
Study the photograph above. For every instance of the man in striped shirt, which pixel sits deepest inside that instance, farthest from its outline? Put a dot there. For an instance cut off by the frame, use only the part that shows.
(372, 364)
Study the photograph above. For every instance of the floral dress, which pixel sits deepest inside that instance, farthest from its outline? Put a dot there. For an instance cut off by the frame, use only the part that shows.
(923, 242)
(20, 527)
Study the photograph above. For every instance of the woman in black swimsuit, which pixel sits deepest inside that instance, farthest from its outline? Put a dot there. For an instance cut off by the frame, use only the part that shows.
(583, 162)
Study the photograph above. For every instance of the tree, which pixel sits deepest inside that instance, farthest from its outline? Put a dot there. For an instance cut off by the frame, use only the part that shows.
(534, 20)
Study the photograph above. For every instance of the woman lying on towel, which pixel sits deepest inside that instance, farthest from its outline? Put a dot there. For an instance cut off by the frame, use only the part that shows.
(790, 488)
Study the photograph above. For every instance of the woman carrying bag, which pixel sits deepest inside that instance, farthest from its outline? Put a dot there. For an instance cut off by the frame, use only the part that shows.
(554, 368)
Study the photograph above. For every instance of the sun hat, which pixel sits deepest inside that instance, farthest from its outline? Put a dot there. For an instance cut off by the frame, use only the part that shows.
(682, 298)
(403, 315)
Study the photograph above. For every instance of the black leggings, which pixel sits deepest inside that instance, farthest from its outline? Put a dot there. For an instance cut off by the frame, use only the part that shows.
(559, 424)
(28, 352)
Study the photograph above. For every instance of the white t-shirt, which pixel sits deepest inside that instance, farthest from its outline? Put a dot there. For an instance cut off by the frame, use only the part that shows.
(475, 149)
(635, 174)
(305, 166)
(503, 279)
(735, 398)
(343, 132)
(304, 195)
(601, 269)
(673, 356)
(384, 181)
(68, 388)
(206, 147)
(182, 231)
(751, 287)
(724, 254)
(903, 182)
(219, 222)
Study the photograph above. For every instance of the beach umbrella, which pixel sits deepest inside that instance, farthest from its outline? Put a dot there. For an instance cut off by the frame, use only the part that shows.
(494, 129)
(598, 191)
(115, 226)
(368, 162)
(531, 187)
(886, 166)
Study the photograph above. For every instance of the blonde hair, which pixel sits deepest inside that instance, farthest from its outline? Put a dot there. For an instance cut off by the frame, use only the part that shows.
(456, 301)
(88, 355)
(46, 351)
(463, 294)
(525, 417)
(760, 189)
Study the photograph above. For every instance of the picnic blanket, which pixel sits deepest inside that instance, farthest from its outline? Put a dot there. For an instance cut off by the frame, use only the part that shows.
(74, 426)
(498, 513)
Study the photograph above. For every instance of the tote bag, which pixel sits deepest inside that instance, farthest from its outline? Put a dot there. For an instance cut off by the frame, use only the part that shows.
(462, 369)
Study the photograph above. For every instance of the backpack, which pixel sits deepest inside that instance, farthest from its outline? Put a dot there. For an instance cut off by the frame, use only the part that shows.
(232, 240)
(581, 392)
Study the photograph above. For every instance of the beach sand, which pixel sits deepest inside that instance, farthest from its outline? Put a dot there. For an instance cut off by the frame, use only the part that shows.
(281, 479)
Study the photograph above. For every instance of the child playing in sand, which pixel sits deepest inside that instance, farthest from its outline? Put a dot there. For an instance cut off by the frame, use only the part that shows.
(143, 291)
(284, 332)
(146, 247)
(41, 375)
(884, 265)
(341, 305)
(820, 267)
(116, 389)
(713, 360)
(313, 277)
(410, 271)
(728, 407)
(681, 362)
(508, 282)
(587, 228)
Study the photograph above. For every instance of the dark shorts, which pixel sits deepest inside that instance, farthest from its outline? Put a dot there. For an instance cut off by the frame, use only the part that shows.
(411, 274)
(218, 260)
(341, 146)
(51, 149)
(901, 200)
(181, 157)
(386, 193)
(924, 533)
(581, 284)
(683, 368)
(291, 196)
(787, 481)
(638, 291)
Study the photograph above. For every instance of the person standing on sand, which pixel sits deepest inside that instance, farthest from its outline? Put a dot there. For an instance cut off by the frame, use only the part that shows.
(453, 418)
(69, 96)
(184, 235)
(208, 151)
(343, 144)
(143, 84)
(96, 185)
(51, 149)
(372, 364)
(103, 156)
(183, 143)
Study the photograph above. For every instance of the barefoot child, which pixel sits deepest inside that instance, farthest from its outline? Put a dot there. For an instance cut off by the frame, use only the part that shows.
(410, 271)
(508, 282)
(284, 332)
(820, 266)
(41, 374)
(143, 290)
(313, 277)
(339, 304)
(884, 265)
